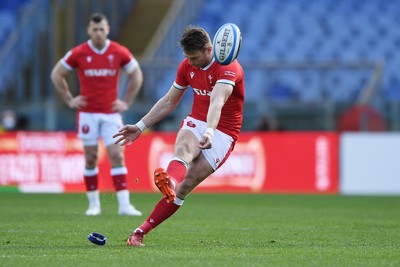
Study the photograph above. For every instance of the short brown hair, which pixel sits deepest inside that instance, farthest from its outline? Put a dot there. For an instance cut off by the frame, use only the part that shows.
(194, 38)
(97, 17)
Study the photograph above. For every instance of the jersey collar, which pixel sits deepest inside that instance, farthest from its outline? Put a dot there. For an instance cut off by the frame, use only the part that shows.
(209, 65)
(97, 51)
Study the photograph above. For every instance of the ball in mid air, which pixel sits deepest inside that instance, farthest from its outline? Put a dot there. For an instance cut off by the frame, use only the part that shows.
(226, 43)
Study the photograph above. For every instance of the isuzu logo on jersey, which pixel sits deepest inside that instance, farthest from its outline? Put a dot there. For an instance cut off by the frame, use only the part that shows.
(201, 92)
(100, 72)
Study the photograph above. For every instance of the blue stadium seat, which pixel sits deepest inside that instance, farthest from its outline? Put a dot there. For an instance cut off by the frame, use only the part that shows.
(7, 23)
(314, 30)
(9, 14)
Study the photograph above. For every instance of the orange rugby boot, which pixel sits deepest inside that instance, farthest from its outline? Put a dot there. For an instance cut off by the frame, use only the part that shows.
(135, 239)
(164, 184)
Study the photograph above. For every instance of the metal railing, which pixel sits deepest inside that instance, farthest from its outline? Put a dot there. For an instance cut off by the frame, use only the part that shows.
(322, 114)
(46, 30)
(55, 26)
(165, 40)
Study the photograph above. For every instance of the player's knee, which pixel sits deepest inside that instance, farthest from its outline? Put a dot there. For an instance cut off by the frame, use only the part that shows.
(182, 150)
(91, 159)
(117, 158)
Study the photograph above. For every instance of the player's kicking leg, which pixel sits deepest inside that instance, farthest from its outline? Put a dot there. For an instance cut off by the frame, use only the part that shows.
(165, 184)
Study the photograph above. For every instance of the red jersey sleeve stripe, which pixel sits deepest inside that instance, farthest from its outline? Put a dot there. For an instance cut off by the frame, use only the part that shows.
(66, 65)
(226, 81)
(131, 65)
(180, 87)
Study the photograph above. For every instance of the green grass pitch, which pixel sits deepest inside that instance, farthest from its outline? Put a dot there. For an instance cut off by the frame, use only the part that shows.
(209, 230)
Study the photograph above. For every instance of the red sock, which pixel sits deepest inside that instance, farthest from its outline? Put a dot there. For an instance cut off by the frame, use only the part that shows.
(90, 182)
(119, 182)
(176, 170)
(162, 211)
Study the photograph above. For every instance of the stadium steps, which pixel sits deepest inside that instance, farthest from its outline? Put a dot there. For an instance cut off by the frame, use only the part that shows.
(142, 24)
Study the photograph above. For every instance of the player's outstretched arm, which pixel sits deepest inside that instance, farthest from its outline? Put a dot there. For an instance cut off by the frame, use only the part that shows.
(162, 108)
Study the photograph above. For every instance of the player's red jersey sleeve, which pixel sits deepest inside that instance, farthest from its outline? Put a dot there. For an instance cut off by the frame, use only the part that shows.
(181, 81)
(232, 112)
(230, 74)
(70, 60)
(126, 55)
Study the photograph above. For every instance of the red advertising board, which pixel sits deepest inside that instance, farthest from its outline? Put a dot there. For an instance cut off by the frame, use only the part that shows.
(284, 162)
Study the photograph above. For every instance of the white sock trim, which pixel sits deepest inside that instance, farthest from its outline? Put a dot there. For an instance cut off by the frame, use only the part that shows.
(91, 172)
(178, 201)
(118, 170)
(180, 160)
(138, 229)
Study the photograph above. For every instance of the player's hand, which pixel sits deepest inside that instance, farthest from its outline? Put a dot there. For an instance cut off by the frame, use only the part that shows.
(206, 141)
(127, 134)
(78, 102)
(119, 106)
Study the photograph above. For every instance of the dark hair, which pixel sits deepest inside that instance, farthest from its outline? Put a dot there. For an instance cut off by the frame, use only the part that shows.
(194, 38)
(97, 17)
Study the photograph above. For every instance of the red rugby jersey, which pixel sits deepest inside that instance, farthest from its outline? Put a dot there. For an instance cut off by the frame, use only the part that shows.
(202, 82)
(98, 72)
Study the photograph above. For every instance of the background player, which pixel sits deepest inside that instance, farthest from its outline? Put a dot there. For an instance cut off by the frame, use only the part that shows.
(206, 137)
(98, 62)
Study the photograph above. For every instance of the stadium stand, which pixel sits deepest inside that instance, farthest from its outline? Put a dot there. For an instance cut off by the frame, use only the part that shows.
(350, 34)
(10, 11)
(33, 35)
(302, 58)
(317, 31)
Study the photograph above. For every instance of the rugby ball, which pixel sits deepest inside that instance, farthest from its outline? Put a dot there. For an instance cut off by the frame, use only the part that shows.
(226, 43)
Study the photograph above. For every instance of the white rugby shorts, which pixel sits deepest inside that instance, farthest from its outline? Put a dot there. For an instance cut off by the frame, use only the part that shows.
(222, 144)
(93, 126)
